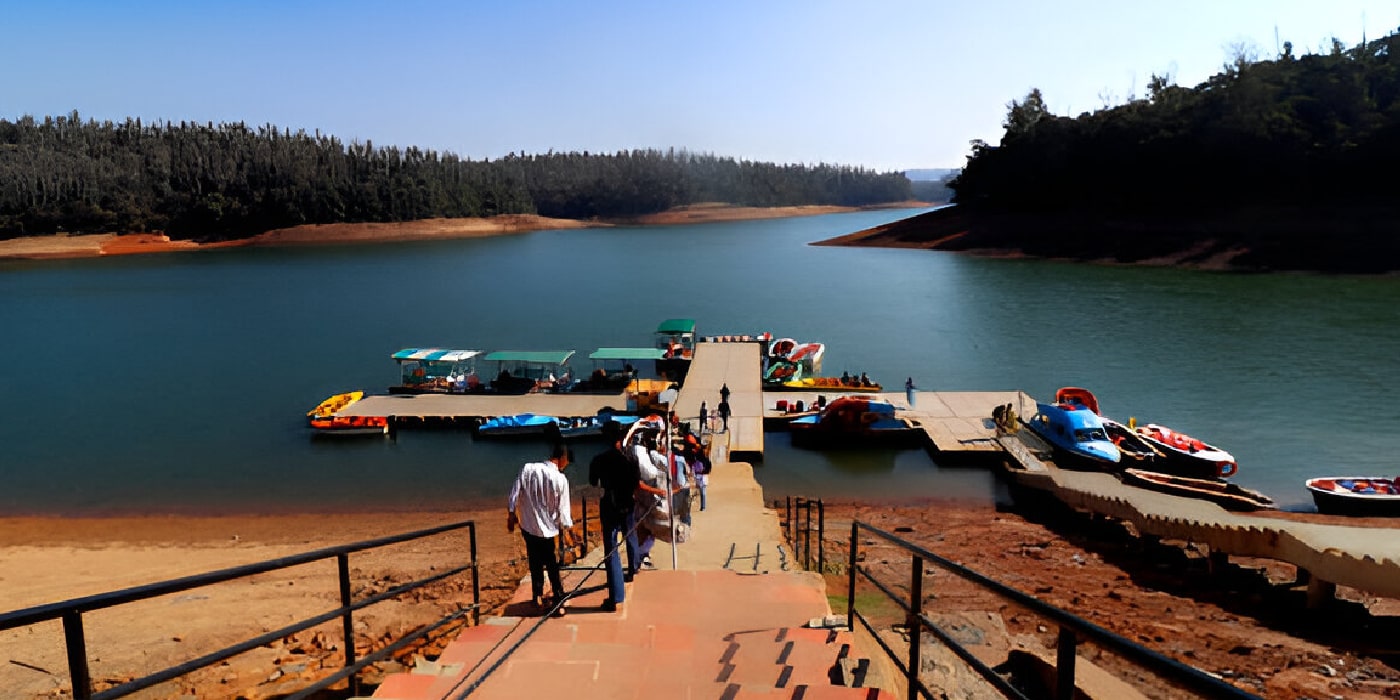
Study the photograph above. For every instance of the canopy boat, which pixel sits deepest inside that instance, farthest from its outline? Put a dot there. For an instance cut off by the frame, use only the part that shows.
(809, 355)
(832, 384)
(521, 424)
(349, 426)
(335, 404)
(1356, 495)
(1183, 454)
(854, 421)
(675, 337)
(591, 426)
(615, 369)
(1227, 495)
(1076, 433)
(436, 371)
(528, 371)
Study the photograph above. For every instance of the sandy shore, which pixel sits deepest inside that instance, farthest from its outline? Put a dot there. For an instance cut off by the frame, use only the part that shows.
(1246, 623)
(109, 244)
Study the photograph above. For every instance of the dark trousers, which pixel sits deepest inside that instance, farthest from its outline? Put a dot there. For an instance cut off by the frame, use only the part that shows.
(615, 526)
(540, 550)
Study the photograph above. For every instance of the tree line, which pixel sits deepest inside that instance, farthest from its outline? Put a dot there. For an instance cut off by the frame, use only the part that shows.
(1320, 129)
(225, 181)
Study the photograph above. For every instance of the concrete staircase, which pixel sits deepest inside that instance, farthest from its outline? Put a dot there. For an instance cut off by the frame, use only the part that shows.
(681, 634)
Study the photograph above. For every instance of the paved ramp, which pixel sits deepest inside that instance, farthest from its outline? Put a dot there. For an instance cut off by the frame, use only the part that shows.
(1365, 558)
(737, 365)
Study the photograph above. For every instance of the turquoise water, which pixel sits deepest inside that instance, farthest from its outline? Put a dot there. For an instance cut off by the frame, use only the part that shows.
(179, 382)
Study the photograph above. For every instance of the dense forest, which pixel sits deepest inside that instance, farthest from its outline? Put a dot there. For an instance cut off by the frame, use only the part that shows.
(1282, 164)
(1321, 128)
(214, 182)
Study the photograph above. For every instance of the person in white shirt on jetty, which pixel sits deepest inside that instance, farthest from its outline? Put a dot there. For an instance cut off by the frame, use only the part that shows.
(542, 494)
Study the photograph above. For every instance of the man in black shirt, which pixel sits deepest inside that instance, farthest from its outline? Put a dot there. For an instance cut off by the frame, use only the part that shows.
(620, 478)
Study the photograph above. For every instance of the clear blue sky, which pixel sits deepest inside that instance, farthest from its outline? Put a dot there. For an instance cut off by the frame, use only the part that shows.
(883, 84)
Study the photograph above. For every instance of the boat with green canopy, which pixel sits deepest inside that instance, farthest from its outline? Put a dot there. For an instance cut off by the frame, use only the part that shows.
(526, 371)
(675, 337)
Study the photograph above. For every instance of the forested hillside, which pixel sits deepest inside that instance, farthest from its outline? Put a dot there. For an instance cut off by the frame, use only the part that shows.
(215, 182)
(1317, 128)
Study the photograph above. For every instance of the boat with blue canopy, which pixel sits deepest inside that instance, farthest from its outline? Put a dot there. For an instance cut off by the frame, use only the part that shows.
(436, 371)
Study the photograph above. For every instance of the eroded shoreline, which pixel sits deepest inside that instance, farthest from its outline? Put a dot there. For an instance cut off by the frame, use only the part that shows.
(64, 246)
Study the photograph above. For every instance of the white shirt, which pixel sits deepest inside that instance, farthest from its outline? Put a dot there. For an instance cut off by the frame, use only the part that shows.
(543, 494)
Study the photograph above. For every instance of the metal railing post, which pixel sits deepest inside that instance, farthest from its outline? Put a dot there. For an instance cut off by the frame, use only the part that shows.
(851, 577)
(807, 538)
(585, 526)
(787, 521)
(821, 537)
(347, 621)
(476, 577)
(916, 625)
(1064, 664)
(77, 654)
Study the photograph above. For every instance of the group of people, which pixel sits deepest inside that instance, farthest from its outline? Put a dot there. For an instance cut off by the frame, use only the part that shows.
(645, 486)
(848, 380)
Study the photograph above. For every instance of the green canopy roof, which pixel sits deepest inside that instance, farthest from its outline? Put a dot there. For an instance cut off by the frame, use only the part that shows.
(628, 354)
(543, 357)
(677, 325)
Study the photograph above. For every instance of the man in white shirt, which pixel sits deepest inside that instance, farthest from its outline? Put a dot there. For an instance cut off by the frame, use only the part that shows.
(541, 493)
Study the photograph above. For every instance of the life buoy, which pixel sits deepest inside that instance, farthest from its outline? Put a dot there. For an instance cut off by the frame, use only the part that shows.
(1228, 469)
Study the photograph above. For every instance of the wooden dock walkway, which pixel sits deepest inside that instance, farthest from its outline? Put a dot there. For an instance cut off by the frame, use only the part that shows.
(954, 422)
(454, 407)
(737, 365)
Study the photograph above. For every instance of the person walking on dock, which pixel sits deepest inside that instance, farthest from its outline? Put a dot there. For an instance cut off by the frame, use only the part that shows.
(704, 414)
(541, 492)
(620, 479)
(724, 393)
(724, 412)
(909, 390)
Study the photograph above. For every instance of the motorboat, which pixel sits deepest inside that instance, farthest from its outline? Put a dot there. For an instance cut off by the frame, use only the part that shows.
(584, 427)
(832, 384)
(1076, 432)
(851, 421)
(520, 424)
(349, 426)
(1356, 495)
(1183, 454)
(675, 337)
(334, 404)
(1228, 495)
(1153, 446)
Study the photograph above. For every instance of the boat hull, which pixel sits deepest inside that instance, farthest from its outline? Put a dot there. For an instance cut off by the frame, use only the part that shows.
(1223, 493)
(1333, 500)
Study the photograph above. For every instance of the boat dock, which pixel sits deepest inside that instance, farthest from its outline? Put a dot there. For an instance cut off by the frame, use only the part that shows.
(451, 408)
(1364, 558)
(735, 365)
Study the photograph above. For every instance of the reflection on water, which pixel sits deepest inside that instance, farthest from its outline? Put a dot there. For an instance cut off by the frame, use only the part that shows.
(179, 382)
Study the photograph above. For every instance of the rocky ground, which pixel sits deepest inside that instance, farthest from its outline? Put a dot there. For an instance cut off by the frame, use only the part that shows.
(1245, 622)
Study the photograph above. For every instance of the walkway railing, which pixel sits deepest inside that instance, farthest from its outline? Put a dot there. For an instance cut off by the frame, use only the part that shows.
(1072, 630)
(70, 612)
(797, 525)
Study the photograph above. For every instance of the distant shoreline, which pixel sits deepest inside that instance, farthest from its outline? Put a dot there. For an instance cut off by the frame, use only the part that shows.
(64, 246)
(1301, 238)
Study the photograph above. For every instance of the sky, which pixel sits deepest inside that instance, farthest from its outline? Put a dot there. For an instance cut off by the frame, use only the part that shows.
(882, 84)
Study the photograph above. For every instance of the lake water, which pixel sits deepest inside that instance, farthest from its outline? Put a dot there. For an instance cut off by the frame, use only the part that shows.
(178, 383)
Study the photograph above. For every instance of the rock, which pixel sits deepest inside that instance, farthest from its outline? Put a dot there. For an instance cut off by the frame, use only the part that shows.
(275, 675)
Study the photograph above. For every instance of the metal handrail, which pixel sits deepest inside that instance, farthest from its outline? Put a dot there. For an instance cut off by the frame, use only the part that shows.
(1072, 628)
(71, 611)
(795, 511)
